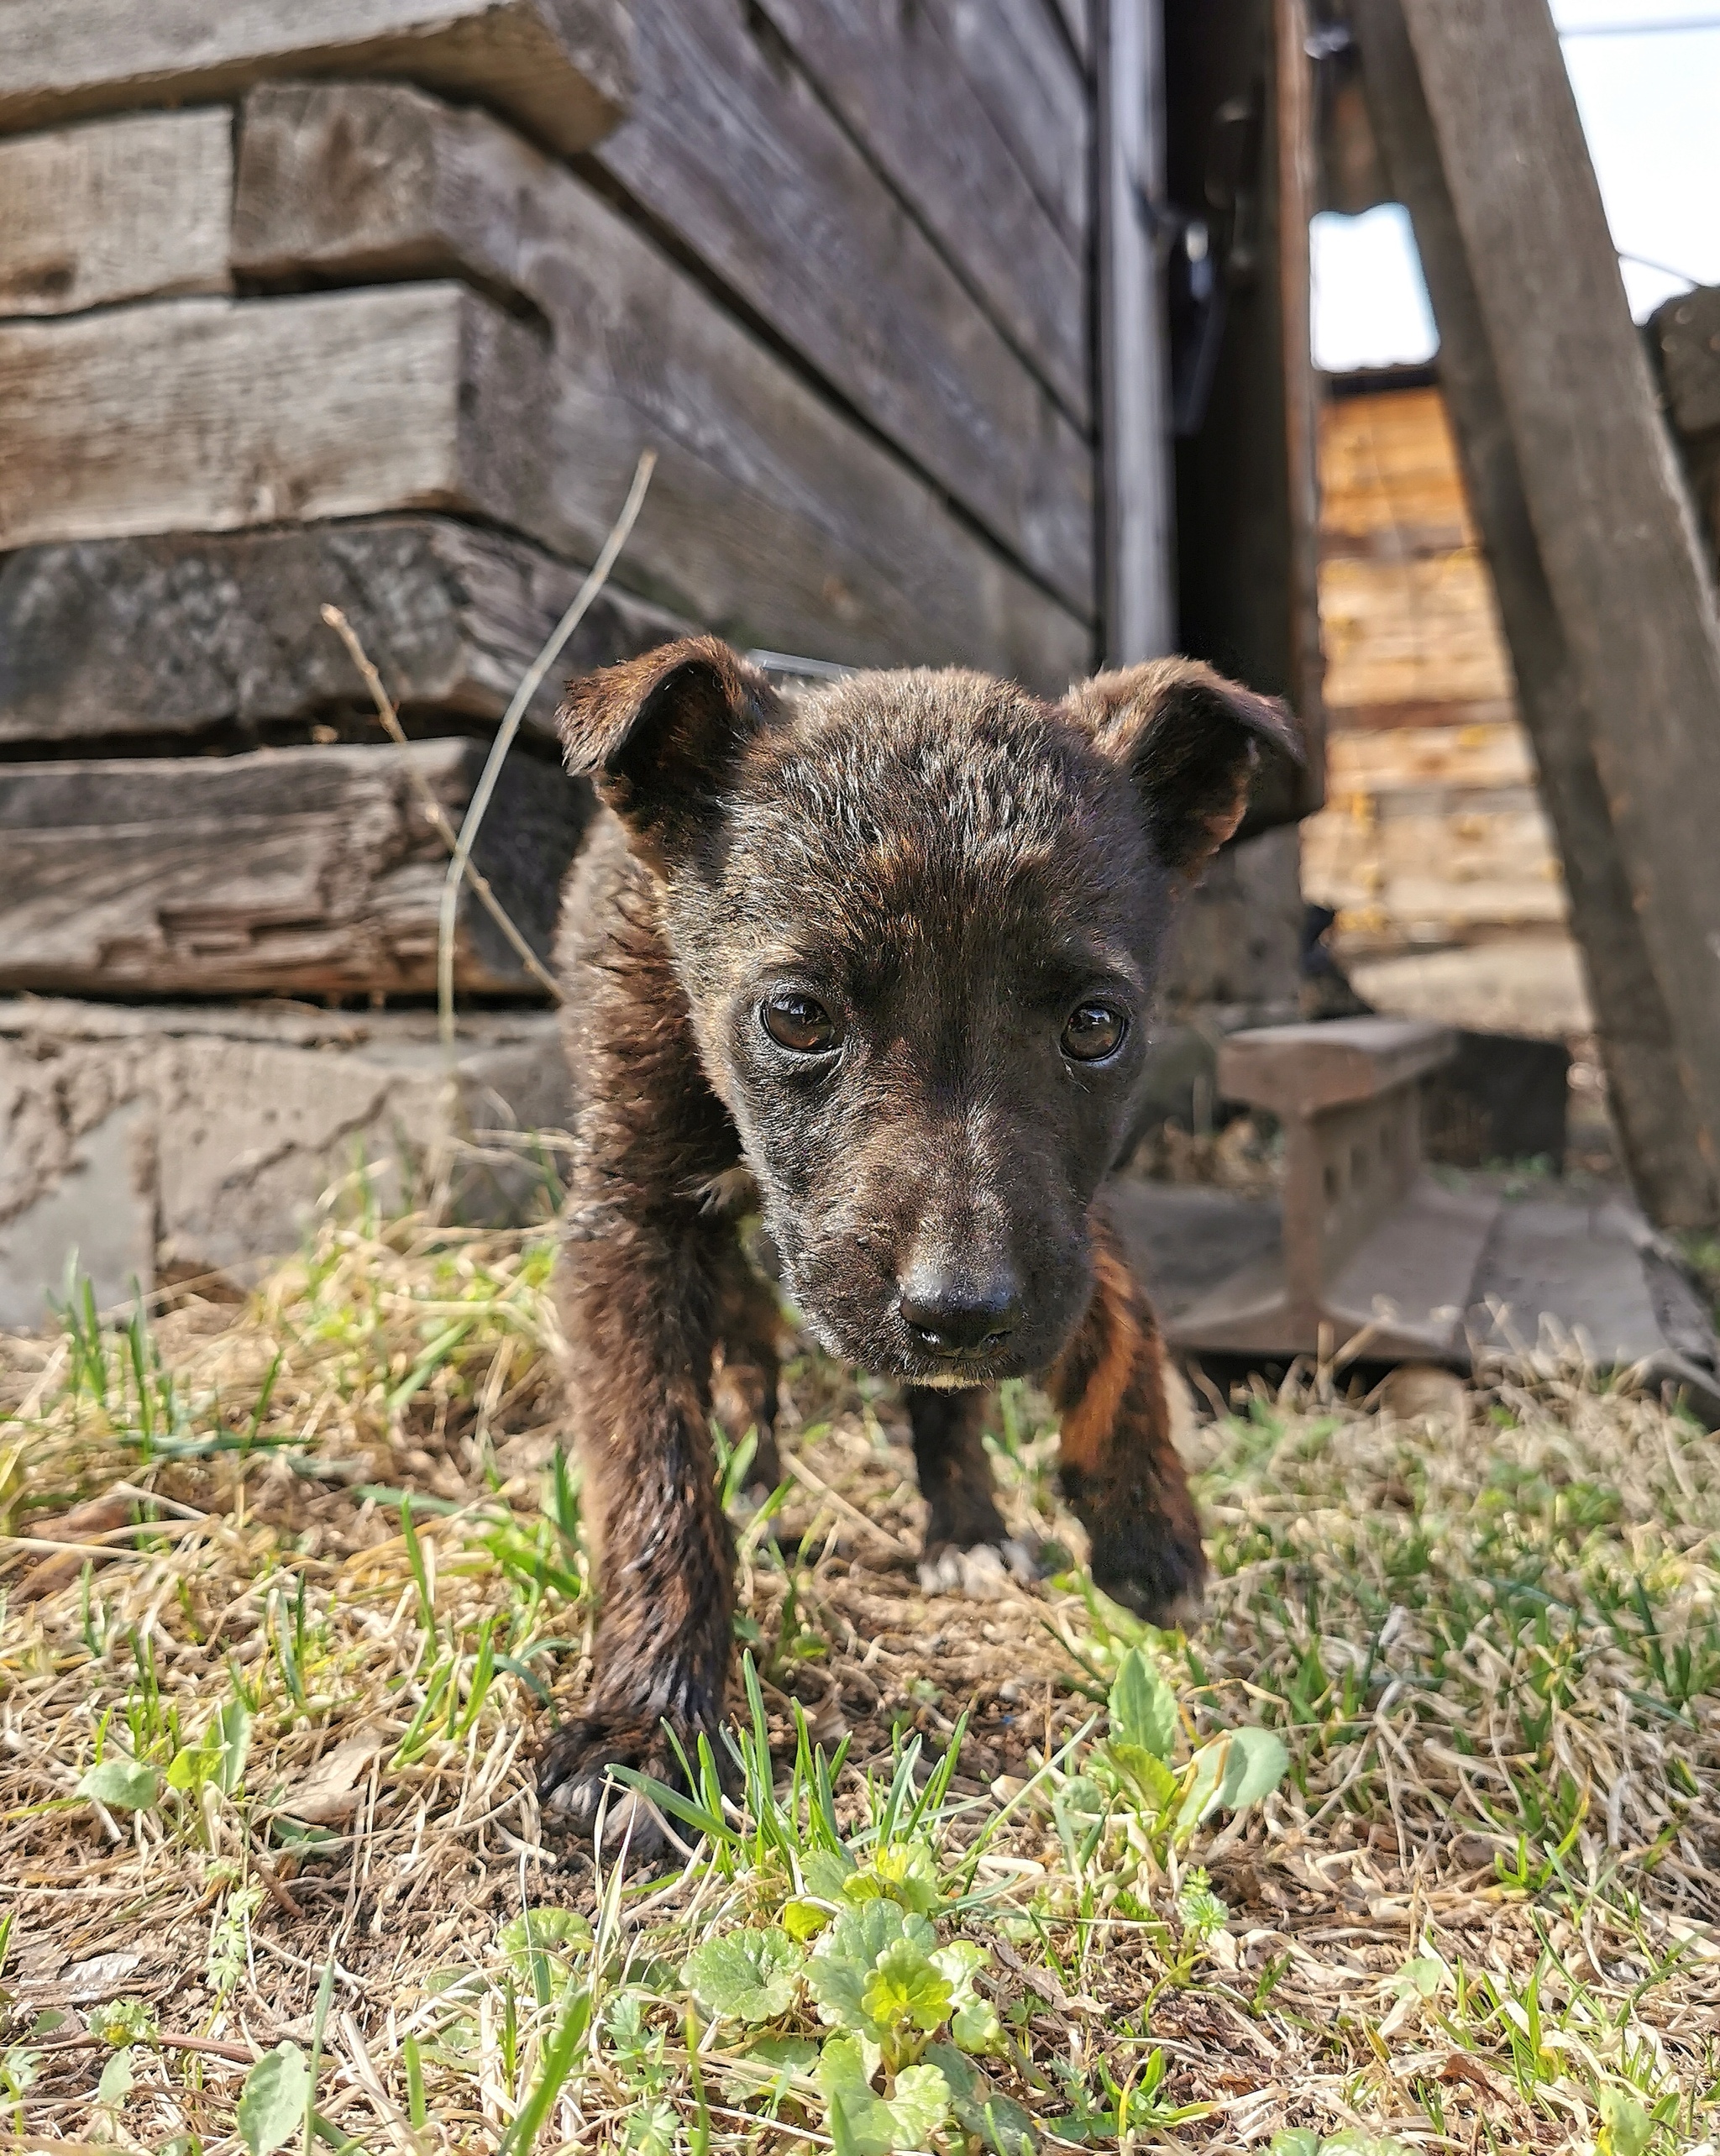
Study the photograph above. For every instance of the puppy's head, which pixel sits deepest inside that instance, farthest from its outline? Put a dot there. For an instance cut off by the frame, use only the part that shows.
(917, 917)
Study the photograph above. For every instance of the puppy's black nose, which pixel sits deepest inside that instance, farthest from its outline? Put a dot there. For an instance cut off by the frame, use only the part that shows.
(950, 1318)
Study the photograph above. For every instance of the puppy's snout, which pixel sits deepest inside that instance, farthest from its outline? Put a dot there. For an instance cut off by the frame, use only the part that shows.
(952, 1315)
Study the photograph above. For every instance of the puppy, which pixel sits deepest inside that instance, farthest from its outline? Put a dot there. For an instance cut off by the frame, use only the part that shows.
(877, 963)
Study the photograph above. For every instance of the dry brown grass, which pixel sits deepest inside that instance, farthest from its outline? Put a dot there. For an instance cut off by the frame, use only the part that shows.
(1478, 1911)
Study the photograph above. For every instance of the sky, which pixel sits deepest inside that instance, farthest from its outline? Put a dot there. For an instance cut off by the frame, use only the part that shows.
(1649, 98)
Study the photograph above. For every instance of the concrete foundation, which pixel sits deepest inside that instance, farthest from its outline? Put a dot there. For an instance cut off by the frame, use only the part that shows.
(158, 1143)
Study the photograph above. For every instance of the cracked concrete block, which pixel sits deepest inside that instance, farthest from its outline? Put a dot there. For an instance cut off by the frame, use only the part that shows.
(163, 1142)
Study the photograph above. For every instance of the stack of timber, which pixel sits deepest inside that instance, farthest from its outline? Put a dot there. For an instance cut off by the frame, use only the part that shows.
(376, 302)
(1433, 840)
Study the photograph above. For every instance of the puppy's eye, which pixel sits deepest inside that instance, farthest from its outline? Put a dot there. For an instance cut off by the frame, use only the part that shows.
(1094, 1031)
(797, 1022)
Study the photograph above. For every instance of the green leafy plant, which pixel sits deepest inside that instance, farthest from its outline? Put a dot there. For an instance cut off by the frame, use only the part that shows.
(274, 2100)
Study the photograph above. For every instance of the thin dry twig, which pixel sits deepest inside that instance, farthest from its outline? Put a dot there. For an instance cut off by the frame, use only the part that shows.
(459, 866)
(433, 809)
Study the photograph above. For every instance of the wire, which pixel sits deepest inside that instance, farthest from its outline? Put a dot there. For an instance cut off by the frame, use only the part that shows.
(1666, 25)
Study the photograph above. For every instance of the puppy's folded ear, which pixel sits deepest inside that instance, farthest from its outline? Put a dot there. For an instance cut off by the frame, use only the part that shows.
(661, 736)
(1188, 739)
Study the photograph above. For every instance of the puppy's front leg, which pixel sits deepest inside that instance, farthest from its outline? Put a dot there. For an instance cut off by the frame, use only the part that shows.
(638, 1308)
(1119, 1467)
(968, 1547)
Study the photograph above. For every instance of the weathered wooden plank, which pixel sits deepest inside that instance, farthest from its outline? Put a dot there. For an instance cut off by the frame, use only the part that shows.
(212, 414)
(309, 871)
(1076, 17)
(116, 210)
(1513, 285)
(1408, 863)
(560, 67)
(771, 516)
(1392, 760)
(201, 633)
(898, 84)
(1294, 201)
(1134, 362)
(1390, 484)
(730, 148)
(1036, 90)
(1422, 631)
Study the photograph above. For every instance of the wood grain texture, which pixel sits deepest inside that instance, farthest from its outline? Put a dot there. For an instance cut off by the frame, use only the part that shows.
(306, 871)
(1390, 483)
(116, 210)
(212, 414)
(730, 148)
(1036, 90)
(561, 67)
(1397, 864)
(1447, 152)
(199, 633)
(899, 86)
(1422, 631)
(771, 517)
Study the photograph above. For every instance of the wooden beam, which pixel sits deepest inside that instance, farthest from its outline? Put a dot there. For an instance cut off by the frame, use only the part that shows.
(210, 415)
(560, 67)
(1298, 791)
(117, 210)
(220, 634)
(731, 152)
(1139, 609)
(297, 871)
(772, 515)
(1600, 581)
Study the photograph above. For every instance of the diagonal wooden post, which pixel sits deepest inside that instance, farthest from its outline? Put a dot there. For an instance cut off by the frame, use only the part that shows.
(1608, 602)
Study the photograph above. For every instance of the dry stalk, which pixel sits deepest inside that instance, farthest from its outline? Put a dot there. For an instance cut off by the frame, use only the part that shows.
(529, 684)
(433, 809)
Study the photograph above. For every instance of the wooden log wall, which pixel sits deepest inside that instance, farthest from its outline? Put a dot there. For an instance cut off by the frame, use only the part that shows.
(376, 302)
(1432, 833)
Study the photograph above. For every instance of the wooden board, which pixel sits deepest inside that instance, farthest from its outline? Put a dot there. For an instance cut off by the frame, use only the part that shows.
(209, 634)
(1599, 580)
(898, 84)
(116, 210)
(303, 871)
(1425, 630)
(209, 414)
(731, 152)
(1076, 17)
(1390, 482)
(772, 516)
(1489, 753)
(1035, 87)
(1400, 864)
(560, 67)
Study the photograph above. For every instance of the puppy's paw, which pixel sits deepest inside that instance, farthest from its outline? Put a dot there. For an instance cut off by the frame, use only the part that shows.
(982, 1571)
(574, 1779)
(1153, 1567)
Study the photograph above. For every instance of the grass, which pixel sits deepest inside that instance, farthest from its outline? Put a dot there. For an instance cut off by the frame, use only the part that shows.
(1415, 1845)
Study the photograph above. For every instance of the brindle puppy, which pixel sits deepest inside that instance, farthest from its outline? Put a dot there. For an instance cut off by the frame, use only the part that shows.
(879, 962)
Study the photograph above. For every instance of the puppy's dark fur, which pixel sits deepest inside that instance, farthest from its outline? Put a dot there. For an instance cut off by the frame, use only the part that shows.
(936, 880)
